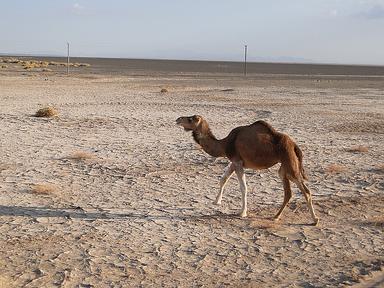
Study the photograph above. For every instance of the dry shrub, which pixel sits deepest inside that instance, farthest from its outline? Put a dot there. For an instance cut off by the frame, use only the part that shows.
(361, 127)
(377, 221)
(355, 274)
(12, 60)
(334, 169)
(46, 112)
(46, 70)
(44, 189)
(358, 149)
(33, 64)
(4, 166)
(30, 64)
(77, 65)
(164, 90)
(81, 155)
(380, 168)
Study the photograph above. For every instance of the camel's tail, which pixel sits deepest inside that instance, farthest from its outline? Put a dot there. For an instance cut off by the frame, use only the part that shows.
(299, 155)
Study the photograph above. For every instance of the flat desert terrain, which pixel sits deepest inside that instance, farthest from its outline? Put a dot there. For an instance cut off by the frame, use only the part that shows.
(111, 193)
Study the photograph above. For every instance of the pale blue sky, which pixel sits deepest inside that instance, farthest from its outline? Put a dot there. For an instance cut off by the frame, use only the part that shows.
(324, 31)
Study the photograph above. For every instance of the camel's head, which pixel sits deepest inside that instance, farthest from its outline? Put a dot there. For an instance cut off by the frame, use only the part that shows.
(190, 123)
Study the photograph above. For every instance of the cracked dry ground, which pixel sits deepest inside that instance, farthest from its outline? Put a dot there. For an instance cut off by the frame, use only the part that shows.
(130, 197)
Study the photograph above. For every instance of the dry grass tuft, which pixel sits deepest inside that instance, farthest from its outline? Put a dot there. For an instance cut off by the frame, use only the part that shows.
(377, 221)
(358, 149)
(361, 127)
(4, 166)
(334, 169)
(43, 189)
(3, 66)
(163, 90)
(81, 155)
(46, 112)
(379, 168)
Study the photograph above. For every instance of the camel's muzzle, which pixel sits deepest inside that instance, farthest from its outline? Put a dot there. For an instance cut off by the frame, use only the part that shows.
(179, 121)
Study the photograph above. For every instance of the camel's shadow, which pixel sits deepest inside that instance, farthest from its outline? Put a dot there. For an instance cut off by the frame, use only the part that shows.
(75, 212)
(79, 213)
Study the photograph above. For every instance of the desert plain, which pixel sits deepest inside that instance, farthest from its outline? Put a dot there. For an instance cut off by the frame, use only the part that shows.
(111, 193)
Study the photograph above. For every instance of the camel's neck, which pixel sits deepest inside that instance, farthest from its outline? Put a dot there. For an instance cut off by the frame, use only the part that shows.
(204, 137)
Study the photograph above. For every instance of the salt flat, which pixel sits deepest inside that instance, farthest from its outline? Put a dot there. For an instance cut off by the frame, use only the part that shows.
(131, 195)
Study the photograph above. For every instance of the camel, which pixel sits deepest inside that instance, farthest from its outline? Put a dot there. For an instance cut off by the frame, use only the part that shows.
(256, 146)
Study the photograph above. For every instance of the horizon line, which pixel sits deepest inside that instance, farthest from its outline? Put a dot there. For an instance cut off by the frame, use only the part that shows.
(189, 59)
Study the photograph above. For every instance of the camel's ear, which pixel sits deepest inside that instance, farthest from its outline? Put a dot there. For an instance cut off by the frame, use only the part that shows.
(196, 118)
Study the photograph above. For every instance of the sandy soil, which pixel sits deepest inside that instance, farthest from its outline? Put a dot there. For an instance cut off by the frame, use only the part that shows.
(126, 196)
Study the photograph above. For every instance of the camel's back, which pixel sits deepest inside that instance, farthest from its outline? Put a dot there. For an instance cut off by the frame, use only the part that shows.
(255, 144)
(262, 127)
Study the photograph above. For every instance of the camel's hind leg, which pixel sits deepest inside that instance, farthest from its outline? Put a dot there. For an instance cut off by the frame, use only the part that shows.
(287, 193)
(308, 197)
(224, 179)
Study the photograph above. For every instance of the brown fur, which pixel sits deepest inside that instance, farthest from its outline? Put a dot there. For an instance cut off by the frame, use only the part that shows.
(255, 146)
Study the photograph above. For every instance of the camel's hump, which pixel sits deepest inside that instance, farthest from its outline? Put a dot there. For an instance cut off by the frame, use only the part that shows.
(264, 124)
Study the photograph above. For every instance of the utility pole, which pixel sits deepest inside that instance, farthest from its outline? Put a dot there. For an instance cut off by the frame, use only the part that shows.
(67, 58)
(245, 59)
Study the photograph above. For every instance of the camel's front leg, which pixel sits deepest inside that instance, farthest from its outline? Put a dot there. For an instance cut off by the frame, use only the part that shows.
(224, 179)
(243, 187)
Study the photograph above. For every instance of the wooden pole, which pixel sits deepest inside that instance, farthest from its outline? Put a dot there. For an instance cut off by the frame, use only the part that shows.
(67, 58)
(245, 60)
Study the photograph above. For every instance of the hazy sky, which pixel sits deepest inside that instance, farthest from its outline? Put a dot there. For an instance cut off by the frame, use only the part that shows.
(326, 31)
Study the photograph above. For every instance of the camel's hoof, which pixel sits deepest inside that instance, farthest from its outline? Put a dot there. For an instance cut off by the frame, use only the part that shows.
(243, 214)
(276, 219)
(316, 222)
(217, 202)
